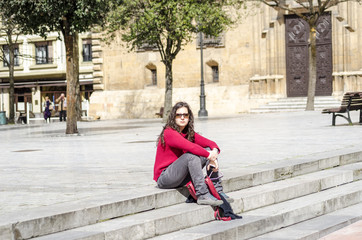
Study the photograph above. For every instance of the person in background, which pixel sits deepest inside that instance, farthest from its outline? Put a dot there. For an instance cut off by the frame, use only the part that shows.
(47, 109)
(62, 107)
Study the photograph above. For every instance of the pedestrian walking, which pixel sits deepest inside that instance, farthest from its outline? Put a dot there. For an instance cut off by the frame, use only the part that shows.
(48, 107)
(62, 107)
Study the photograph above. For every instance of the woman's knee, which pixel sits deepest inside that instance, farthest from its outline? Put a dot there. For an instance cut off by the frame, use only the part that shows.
(192, 157)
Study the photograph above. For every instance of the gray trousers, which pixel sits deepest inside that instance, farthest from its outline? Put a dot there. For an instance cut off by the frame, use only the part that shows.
(187, 168)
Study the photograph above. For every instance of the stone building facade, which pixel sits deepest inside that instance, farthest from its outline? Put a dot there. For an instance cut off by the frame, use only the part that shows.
(247, 67)
(259, 60)
(40, 71)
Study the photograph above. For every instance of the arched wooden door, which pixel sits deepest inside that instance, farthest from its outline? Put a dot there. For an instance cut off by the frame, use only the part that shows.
(297, 62)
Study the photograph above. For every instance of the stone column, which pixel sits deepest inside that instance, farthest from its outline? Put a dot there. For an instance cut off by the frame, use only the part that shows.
(4, 101)
(36, 100)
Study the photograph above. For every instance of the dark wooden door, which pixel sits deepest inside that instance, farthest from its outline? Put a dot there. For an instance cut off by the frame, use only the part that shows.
(297, 57)
(324, 56)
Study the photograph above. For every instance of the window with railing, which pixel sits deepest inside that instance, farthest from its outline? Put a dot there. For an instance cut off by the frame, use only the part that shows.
(211, 41)
(87, 50)
(43, 52)
(147, 47)
(6, 56)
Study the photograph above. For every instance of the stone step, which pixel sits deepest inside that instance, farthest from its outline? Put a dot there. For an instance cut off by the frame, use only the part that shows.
(60, 217)
(277, 216)
(351, 232)
(286, 109)
(297, 104)
(318, 227)
(304, 99)
(271, 193)
(301, 103)
(173, 218)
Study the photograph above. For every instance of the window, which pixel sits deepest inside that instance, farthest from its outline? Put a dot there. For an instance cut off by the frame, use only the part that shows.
(151, 75)
(43, 52)
(154, 76)
(87, 50)
(215, 73)
(7, 55)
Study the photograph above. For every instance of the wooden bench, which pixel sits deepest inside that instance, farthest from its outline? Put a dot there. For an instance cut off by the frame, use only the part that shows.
(352, 101)
(160, 114)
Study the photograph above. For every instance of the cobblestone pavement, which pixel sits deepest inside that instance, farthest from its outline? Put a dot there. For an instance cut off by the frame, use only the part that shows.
(40, 165)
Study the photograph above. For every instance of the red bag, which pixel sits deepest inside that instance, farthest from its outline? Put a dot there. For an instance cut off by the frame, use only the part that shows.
(212, 188)
(191, 189)
(213, 191)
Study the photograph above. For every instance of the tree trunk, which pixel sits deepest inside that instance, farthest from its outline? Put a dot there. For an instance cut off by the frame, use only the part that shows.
(71, 82)
(312, 69)
(168, 90)
(76, 76)
(11, 81)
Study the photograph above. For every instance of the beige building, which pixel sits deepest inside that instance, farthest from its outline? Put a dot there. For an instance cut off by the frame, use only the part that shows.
(245, 68)
(261, 59)
(40, 71)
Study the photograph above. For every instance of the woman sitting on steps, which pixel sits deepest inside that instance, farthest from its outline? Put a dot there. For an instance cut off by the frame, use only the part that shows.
(182, 154)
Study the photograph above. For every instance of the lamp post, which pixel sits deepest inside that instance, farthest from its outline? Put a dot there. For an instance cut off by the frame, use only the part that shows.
(2, 100)
(202, 111)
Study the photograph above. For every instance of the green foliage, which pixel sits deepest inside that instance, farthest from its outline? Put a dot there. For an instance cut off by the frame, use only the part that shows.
(168, 23)
(43, 16)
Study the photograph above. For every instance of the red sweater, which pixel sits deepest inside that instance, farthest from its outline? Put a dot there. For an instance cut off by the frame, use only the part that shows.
(176, 144)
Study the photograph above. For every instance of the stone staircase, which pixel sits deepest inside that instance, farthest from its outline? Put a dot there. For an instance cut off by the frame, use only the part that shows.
(297, 104)
(303, 198)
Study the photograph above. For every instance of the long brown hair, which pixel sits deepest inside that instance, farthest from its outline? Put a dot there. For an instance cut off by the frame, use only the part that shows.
(171, 123)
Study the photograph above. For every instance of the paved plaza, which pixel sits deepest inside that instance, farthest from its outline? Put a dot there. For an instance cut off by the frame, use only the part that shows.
(40, 165)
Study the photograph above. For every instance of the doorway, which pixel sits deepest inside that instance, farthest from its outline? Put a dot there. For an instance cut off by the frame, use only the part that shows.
(22, 97)
(297, 57)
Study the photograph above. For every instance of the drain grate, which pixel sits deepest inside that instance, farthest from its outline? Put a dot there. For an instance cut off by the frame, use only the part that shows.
(28, 150)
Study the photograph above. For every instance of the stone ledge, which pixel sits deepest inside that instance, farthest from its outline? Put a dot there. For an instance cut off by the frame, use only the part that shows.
(101, 208)
(277, 216)
(176, 217)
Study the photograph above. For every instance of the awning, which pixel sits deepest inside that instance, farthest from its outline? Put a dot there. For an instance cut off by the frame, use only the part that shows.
(44, 83)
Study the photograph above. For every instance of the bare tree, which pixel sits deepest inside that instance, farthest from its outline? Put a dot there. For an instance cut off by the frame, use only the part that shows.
(9, 52)
(310, 11)
(68, 17)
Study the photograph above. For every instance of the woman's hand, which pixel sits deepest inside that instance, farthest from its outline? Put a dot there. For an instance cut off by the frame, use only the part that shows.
(214, 154)
(214, 164)
(213, 159)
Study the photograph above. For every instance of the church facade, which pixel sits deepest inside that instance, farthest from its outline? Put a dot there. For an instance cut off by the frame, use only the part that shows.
(263, 58)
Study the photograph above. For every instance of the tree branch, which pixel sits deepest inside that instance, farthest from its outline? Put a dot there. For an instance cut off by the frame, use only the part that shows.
(178, 48)
(161, 48)
(301, 3)
(277, 5)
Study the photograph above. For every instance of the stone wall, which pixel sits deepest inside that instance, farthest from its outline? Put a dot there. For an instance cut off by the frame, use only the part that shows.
(251, 62)
(144, 103)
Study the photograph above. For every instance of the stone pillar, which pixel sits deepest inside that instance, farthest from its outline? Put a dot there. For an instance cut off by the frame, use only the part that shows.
(36, 100)
(98, 83)
(4, 101)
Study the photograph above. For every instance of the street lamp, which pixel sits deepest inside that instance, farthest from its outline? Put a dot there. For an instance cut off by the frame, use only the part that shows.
(202, 111)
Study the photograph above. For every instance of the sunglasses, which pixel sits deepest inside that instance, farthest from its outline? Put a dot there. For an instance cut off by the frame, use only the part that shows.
(185, 115)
